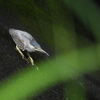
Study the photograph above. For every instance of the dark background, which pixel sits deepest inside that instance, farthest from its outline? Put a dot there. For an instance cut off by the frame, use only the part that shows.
(37, 20)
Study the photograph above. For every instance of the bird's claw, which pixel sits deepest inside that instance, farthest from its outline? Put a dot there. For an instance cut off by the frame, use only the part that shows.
(31, 60)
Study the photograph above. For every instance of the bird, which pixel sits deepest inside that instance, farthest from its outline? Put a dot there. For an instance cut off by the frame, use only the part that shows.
(25, 41)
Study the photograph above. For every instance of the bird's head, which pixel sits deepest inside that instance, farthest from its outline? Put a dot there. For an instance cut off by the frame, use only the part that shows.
(40, 50)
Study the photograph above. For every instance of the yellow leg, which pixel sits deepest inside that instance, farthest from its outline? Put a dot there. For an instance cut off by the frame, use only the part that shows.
(20, 52)
(30, 59)
(17, 48)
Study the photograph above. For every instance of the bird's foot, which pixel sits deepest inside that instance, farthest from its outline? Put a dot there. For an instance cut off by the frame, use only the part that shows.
(30, 59)
(22, 55)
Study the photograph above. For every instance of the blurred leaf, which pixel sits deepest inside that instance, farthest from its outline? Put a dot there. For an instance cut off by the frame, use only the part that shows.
(75, 90)
(62, 68)
(89, 13)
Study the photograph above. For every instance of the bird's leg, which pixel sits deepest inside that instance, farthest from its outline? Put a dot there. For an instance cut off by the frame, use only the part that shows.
(17, 48)
(30, 58)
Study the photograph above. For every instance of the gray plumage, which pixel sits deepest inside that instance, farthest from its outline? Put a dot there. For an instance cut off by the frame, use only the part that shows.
(25, 41)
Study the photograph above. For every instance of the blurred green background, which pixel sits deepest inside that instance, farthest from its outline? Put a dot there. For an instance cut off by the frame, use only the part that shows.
(69, 31)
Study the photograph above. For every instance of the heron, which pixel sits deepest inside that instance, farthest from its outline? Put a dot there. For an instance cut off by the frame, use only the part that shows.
(25, 41)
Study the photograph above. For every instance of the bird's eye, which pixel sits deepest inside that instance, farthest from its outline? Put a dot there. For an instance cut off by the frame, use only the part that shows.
(36, 47)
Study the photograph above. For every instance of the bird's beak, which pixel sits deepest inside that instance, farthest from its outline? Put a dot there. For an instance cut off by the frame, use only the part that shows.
(41, 50)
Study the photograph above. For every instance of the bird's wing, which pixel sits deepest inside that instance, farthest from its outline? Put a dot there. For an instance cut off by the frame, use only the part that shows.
(25, 34)
(34, 43)
(30, 38)
(19, 41)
